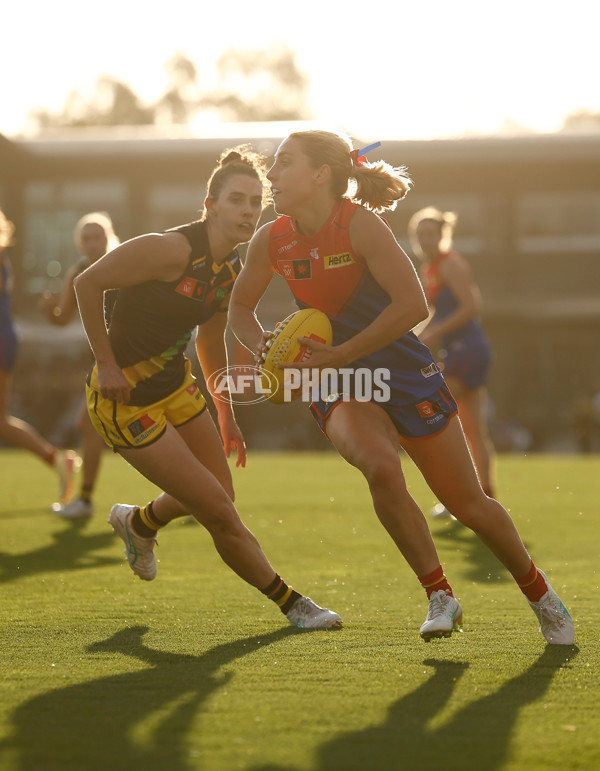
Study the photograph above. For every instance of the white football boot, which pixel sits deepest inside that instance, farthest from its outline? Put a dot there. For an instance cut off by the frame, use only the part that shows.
(139, 551)
(78, 508)
(308, 615)
(444, 615)
(555, 620)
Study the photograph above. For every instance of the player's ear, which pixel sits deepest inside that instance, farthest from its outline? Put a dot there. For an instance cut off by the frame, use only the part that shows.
(323, 174)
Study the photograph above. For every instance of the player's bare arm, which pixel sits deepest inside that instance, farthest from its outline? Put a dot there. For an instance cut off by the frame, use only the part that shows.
(160, 257)
(249, 287)
(212, 356)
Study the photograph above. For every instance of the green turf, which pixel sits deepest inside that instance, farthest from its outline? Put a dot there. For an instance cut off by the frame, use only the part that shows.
(197, 671)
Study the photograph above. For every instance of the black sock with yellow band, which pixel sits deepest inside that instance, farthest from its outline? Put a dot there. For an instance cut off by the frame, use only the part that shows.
(281, 594)
(145, 521)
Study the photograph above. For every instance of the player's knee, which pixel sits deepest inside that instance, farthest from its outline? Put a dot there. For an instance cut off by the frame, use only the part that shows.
(381, 471)
(470, 511)
(222, 519)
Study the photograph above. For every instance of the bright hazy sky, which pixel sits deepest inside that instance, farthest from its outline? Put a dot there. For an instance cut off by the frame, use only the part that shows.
(393, 69)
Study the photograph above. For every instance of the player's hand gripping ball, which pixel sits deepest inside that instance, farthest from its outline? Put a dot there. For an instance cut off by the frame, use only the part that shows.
(284, 348)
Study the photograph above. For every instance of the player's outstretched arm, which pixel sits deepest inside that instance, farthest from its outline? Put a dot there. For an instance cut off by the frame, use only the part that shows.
(249, 287)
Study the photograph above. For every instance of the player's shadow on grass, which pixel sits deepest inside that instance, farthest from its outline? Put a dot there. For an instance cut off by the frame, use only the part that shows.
(70, 549)
(475, 738)
(136, 720)
(478, 562)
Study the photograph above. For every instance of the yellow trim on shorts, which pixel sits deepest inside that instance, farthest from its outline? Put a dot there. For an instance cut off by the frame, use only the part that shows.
(124, 426)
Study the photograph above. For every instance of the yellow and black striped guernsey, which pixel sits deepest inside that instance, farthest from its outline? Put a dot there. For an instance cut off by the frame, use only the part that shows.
(152, 323)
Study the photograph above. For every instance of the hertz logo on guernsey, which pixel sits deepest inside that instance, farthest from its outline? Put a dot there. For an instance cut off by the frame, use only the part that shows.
(338, 260)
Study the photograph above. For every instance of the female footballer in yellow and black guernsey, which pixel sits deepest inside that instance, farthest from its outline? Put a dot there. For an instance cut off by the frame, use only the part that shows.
(142, 397)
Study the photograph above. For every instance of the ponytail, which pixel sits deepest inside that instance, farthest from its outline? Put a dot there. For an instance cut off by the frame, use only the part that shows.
(379, 186)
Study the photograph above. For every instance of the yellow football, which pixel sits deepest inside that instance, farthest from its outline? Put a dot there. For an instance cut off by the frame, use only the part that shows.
(284, 348)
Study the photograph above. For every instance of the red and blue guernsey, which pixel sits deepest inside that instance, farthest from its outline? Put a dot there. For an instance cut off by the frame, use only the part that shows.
(465, 352)
(324, 272)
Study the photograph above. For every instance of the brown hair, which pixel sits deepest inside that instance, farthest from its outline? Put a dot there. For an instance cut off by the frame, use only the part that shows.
(379, 186)
(7, 231)
(238, 160)
(446, 222)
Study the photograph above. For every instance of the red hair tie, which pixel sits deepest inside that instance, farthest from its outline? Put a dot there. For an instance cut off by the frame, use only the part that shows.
(358, 156)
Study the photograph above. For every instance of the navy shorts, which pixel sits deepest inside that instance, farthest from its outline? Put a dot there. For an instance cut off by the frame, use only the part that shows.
(8, 349)
(425, 416)
(468, 361)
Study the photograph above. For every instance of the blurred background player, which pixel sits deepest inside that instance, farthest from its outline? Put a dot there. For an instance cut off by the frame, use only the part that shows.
(94, 236)
(12, 429)
(374, 299)
(142, 397)
(454, 330)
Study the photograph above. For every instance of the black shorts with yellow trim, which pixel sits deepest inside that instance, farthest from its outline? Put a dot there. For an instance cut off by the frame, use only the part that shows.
(123, 426)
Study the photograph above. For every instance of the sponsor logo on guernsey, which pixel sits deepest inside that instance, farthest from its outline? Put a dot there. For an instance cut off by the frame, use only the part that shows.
(199, 263)
(186, 286)
(338, 260)
(192, 288)
(295, 269)
(430, 370)
(314, 253)
(287, 247)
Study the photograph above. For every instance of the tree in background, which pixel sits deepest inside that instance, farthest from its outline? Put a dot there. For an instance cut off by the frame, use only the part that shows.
(251, 86)
(183, 96)
(582, 121)
(260, 86)
(112, 104)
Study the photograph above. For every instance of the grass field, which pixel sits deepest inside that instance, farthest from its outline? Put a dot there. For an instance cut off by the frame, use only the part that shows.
(197, 671)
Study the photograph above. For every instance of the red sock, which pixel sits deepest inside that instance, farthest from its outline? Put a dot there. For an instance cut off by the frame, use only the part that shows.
(532, 584)
(435, 581)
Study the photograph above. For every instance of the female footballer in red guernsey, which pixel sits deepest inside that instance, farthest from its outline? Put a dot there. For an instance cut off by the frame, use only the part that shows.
(454, 327)
(339, 256)
(142, 397)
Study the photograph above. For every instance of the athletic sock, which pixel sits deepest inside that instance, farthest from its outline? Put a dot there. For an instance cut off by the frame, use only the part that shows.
(86, 493)
(145, 522)
(281, 594)
(532, 584)
(435, 581)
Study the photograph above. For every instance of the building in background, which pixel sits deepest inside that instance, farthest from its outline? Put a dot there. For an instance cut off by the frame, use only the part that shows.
(529, 224)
